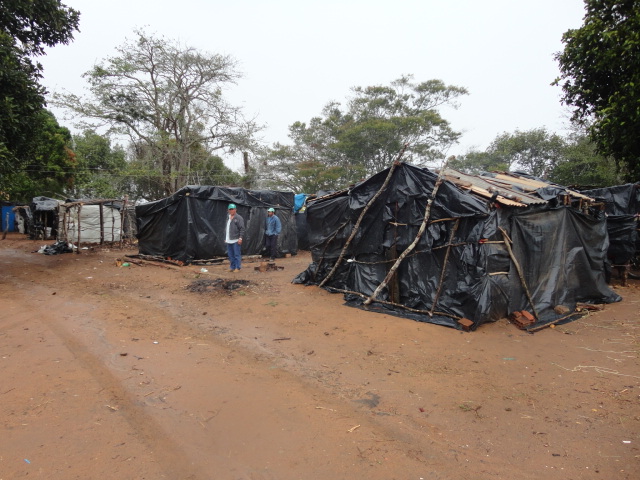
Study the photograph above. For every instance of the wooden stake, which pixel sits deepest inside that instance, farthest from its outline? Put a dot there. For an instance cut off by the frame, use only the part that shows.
(79, 212)
(409, 249)
(507, 241)
(354, 231)
(444, 265)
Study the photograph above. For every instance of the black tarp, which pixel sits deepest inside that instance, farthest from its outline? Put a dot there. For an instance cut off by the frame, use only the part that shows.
(622, 208)
(460, 267)
(190, 224)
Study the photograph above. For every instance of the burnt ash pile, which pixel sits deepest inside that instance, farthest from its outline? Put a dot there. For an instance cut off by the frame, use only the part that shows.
(213, 285)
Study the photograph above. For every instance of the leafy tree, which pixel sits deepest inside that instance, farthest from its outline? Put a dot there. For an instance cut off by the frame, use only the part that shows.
(475, 162)
(145, 177)
(26, 28)
(581, 165)
(100, 167)
(600, 78)
(289, 170)
(535, 151)
(167, 98)
(345, 145)
(51, 163)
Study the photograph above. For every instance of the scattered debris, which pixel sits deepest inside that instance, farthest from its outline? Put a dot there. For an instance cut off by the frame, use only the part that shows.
(352, 429)
(589, 306)
(561, 309)
(466, 324)
(522, 319)
(268, 266)
(205, 285)
(57, 248)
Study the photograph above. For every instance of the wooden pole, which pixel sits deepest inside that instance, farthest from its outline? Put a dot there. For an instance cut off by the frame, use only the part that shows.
(79, 212)
(354, 231)
(404, 307)
(122, 217)
(444, 265)
(507, 241)
(101, 207)
(409, 249)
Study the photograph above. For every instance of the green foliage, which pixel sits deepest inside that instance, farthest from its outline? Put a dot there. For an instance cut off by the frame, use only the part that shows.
(581, 166)
(535, 151)
(26, 27)
(286, 171)
(600, 78)
(570, 161)
(100, 168)
(50, 165)
(145, 177)
(475, 162)
(36, 24)
(168, 100)
(346, 145)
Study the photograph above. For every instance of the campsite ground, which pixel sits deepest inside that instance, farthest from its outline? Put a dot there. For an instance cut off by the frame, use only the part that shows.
(154, 371)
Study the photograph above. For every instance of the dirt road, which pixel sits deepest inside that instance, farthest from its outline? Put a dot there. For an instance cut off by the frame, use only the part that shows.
(157, 372)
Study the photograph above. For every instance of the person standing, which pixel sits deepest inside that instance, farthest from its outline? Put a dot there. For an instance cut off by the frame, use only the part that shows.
(234, 233)
(272, 230)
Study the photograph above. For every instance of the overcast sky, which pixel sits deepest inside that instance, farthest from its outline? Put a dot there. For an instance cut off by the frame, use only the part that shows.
(297, 55)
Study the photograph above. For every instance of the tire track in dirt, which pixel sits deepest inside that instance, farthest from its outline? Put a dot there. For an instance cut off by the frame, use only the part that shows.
(167, 452)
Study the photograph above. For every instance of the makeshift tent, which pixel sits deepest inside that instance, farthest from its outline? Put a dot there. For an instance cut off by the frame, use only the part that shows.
(622, 207)
(190, 224)
(487, 248)
(41, 218)
(91, 221)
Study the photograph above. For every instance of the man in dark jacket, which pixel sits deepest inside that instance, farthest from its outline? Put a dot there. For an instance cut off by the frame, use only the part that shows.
(272, 230)
(234, 233)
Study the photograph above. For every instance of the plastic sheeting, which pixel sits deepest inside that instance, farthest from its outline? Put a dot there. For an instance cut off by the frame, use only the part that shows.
(92, 224)
(460, 267)
(622, 207)
(190, 224)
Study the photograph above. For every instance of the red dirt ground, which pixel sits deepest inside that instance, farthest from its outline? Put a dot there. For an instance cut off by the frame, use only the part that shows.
(134, 373)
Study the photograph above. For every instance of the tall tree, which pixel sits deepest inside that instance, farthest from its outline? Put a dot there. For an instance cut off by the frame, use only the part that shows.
(581, 165)
(100, 167)
(26, 28)
(50, 165)
(169, 98)
(347, 144)
(536, 151)
(145, 178)
(600, 79)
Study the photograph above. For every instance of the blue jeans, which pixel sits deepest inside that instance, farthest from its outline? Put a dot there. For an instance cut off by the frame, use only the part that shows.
(235, 257)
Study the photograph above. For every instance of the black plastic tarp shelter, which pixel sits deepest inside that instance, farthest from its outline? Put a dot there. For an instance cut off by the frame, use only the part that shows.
(190, 224)
(622, 207)
(477, 259)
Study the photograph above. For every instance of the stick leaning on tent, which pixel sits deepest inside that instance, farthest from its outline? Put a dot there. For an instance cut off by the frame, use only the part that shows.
(409, 249)
(354, 231)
